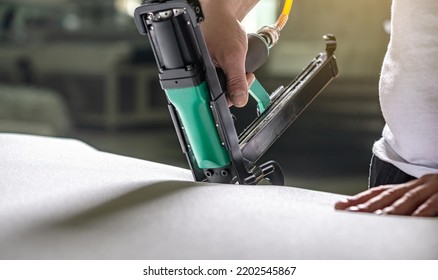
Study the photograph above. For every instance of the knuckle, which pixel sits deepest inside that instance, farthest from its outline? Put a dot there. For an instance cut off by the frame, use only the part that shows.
(380, 189)
(413, 195)
(433, 203)
(236, 80)
(429, 178)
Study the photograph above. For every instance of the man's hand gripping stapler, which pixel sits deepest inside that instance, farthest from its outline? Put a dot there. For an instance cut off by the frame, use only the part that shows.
(196, 94)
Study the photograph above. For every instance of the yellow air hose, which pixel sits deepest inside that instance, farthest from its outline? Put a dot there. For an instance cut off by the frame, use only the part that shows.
(271, 33)
(282, 19)
(266, 38)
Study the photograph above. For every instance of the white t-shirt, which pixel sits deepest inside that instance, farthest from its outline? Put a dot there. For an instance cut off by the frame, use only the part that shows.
(409, 89)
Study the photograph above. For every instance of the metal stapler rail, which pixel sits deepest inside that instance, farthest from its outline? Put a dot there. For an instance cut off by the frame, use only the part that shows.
(196, 94)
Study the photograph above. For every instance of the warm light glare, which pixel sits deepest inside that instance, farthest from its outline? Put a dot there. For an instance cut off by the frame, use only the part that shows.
(127, 6)
(263, 14)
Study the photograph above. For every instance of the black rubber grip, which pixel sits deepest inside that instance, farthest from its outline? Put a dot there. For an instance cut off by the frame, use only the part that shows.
(258, 52)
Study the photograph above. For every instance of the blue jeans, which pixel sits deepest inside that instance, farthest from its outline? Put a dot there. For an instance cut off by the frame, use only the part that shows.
(384, 173)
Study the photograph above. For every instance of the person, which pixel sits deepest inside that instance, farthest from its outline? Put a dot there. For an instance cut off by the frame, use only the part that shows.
(404, 166)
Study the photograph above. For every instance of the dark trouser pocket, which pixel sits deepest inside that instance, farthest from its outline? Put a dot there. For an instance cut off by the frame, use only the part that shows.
(384, 173)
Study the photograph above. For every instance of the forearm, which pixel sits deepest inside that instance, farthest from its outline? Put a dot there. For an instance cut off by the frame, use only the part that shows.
(238, 8)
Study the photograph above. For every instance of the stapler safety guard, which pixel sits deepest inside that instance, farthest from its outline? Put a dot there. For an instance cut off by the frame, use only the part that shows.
(196, 93)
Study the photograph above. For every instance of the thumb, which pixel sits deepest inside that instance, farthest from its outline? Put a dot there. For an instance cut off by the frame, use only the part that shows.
(237, 84)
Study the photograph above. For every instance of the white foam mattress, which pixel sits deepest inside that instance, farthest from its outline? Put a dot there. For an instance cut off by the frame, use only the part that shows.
(62, 199)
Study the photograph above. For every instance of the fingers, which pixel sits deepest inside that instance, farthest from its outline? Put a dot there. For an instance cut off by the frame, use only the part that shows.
(429, 208)
(410, 200)
(227, 43)
(388, 197)
(250, 78)
(359, 199)
(418, 198)
(237, 85)
(238, 97)
(233, 64)
(421, 198)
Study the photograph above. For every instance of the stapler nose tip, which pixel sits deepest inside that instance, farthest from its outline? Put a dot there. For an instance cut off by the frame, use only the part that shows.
(330, 41)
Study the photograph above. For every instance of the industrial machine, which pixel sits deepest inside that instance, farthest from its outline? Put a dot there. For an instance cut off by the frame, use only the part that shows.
(196, 93)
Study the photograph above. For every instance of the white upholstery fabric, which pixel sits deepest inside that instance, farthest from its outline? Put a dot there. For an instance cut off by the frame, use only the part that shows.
(62, 199)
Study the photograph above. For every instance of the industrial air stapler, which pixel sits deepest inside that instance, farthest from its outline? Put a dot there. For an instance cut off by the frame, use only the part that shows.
(196, 93)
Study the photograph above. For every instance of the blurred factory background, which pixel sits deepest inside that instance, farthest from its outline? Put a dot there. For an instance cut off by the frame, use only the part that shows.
(79, 68)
